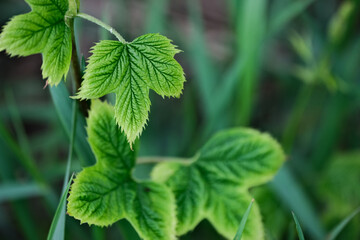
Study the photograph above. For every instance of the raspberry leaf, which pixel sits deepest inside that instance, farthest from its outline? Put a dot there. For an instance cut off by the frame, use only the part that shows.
(130, 70)
(43, 30)
(214, 184)
(106, 192)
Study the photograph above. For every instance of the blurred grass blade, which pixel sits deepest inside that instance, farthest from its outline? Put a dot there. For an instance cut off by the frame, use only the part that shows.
(63, 106)
(243, 222)
(225, 95)
(290, 192)
(106, 18)
(17, 122)
(71, 145)
(58, 221)
(60, 226)
(28, 163)
(22, 216)
(295, 117)
(59, 230)
(156, 13)
(335, 232)
(204, 70)
(14, 191)
(298, 227)
(335, 114)
(250, 29)
(280, 18)
(339, 24)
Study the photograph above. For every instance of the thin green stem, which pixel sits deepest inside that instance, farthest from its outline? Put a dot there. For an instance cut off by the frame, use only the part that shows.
(295, 117)
(71, 146)
(75, 64)
(154, 160)
(102, 24)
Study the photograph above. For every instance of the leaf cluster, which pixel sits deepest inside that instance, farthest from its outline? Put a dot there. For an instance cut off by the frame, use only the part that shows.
(213, 185)
(129, 70)
(43, 30)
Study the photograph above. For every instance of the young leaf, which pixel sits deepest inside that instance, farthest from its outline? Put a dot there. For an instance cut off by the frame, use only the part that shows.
(43, 30)
(106, 192)
(214, 185)
(130, 70)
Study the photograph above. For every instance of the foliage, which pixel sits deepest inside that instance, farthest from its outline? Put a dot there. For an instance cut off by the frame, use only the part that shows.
(145, 63)
(214, 184)
(106, 192)
(244, 73)
(130, 70)
(43, 30)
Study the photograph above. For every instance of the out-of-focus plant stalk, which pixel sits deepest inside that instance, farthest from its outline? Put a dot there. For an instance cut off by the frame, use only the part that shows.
(295, 116)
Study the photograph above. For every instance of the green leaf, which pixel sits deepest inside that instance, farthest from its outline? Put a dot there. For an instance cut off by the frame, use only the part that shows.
(43, 30)
(106, 192)
(130, 70)
(214, 184)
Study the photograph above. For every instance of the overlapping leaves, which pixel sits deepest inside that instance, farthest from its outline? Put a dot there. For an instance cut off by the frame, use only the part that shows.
(43, 30)
(106, 192)
(214, 184)
(130, 70)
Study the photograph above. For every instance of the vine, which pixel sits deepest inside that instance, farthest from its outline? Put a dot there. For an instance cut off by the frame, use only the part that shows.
(212, 185)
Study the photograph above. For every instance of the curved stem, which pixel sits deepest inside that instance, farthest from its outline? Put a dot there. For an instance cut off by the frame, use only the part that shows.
(102, 24)
(71, 146)
(76, 69)
(295, 117)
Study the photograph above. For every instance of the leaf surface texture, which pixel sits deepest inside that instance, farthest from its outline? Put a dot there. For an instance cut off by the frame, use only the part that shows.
(214, 184)
(43, 30)
(130, 70)
(106, 192)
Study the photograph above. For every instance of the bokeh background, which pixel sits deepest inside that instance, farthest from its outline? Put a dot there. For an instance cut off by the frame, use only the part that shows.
(287, 67)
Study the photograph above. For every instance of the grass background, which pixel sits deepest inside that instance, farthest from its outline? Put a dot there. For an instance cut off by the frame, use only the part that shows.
(288, 67)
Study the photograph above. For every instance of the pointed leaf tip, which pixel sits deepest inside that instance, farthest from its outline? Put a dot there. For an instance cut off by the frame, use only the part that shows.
(130, 70)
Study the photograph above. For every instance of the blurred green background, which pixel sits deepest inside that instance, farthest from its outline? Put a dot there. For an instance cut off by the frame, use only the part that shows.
(287, 67)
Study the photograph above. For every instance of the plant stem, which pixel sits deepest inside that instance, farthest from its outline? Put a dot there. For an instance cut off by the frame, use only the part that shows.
(71, 146)
(295, 117)
(154, 160)
(75, 64)
(102, 24)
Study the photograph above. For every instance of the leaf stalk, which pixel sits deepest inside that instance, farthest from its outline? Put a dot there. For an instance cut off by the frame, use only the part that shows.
(157, 159)
(102, 24)
(75, 64)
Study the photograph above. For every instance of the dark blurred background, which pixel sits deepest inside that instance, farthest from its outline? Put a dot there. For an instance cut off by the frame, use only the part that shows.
(287, 67)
